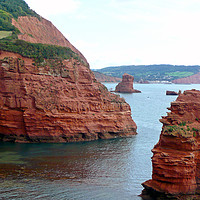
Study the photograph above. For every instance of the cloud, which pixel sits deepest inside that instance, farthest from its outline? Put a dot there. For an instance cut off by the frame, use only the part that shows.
(47, 8)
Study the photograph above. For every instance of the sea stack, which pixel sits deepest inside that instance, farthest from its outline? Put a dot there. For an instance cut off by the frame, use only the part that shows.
(48, 92)
(176, 157)
(126, 86)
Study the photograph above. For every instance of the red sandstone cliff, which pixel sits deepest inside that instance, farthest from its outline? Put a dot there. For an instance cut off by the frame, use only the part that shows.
(194, 79)
(56, 101)
(176, 157)
(42, 31)
(126, 86)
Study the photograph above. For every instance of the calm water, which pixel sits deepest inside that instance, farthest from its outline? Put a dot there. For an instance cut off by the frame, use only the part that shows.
(100, 170)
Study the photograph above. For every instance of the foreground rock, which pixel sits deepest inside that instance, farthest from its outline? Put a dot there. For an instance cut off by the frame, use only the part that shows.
(126, 86)
(50, 94)
(58, 102)
(176, 157)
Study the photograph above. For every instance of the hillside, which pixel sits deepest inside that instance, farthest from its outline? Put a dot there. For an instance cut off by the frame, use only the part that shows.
(194, 79)
(152, 72)
(104, 78)
(21, 27)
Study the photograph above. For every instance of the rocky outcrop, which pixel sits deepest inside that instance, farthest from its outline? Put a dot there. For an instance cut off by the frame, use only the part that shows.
(104, 78)
(172, 92)
(126, 86)
(176, 157)
(36, 30)
(57, 101)
(194, 79)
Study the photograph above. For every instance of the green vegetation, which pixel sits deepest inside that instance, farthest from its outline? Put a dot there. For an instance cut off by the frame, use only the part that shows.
(5, 22)
(152, 72)
(182, 124)
(37, 51)
(17, 8)
(181, 130)
(179, 74)
(8, 35)
(13, 9)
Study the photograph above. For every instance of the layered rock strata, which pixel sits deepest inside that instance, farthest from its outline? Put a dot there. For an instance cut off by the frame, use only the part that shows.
(126, 86)
(176, 157)
(57, 101)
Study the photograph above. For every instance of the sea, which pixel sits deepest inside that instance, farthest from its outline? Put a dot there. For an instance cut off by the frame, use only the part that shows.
(98, 170)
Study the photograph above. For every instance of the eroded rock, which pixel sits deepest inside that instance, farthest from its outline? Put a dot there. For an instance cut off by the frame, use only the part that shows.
(176, 157)
(126, 86)
(57, 102)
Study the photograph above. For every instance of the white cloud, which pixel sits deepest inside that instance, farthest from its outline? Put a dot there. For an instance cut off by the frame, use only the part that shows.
(47, 8)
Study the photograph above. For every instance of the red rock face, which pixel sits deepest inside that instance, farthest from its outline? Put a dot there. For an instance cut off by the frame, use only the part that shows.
(42, 31)
(126, 86)
(57, 102)
(176, 157)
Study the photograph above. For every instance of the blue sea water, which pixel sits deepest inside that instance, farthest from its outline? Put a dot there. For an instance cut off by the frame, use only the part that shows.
(100, 170)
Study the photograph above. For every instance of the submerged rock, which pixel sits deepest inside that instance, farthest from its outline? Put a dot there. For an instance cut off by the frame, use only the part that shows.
(176, 157)
(126, 86)
(172, 92)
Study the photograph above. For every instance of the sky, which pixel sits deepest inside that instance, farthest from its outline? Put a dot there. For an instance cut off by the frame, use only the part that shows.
(128, 32)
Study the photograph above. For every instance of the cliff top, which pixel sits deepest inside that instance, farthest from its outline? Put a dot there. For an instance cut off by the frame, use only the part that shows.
(23, 31)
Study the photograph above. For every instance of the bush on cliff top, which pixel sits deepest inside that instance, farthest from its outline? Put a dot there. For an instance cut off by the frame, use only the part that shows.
(37, 50)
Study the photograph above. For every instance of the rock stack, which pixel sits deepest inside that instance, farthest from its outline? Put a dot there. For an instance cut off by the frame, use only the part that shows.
(176, 157)
(126, 86)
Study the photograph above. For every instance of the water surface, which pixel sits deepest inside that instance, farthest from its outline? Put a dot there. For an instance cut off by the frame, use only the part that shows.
(100, 170)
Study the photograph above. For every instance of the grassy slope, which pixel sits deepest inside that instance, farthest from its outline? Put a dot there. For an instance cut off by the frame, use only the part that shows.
(4, 34)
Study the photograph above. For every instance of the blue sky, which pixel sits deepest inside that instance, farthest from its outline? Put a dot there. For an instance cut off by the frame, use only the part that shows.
(126, 32)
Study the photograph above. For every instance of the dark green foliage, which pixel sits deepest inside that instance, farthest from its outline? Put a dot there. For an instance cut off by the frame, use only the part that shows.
(17, 8)
(152, 72)
(13, 9)
(194, 129)
(37, 51)
(182, 124)
(171, 128)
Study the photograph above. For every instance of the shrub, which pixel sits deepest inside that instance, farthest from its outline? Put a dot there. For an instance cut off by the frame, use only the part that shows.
(37, 51)
(182, 124)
